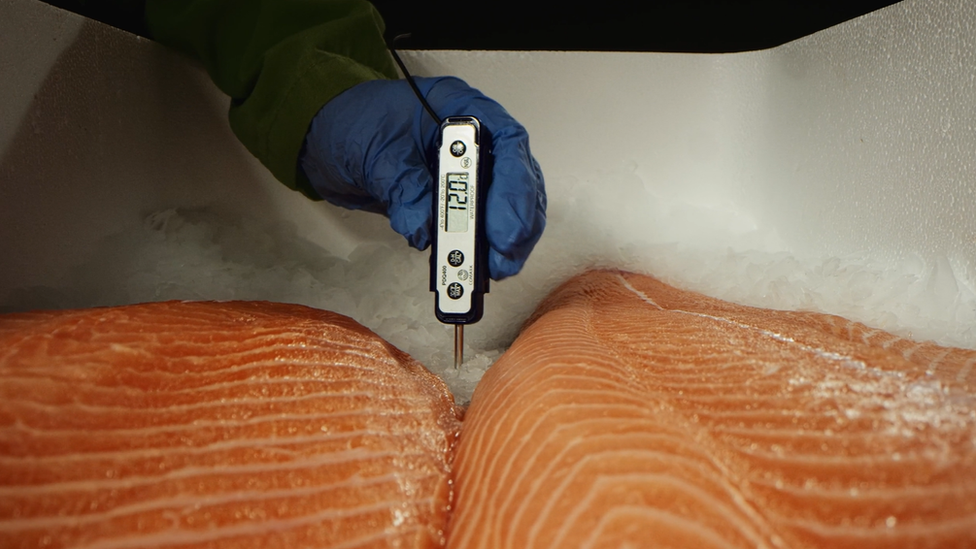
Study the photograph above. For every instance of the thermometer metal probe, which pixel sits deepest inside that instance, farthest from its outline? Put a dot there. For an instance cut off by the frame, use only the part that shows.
(458, 345)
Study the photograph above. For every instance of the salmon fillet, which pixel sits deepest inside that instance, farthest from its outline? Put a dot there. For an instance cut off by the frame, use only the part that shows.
(217, 425)
(632, 414)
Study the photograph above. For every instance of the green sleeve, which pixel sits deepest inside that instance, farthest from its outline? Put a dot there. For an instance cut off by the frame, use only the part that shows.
(279, 61)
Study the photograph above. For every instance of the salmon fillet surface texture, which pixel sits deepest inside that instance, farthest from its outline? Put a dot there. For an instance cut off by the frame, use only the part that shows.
(632, 414)
(242, 424)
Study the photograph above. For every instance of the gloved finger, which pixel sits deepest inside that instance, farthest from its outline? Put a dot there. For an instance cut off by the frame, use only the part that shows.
(331, 179)
(501, 267)
(352, 141)
(516, 202)
(401, 180)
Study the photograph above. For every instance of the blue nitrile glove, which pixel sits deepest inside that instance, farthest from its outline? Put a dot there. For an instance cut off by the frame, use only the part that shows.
(372, 147)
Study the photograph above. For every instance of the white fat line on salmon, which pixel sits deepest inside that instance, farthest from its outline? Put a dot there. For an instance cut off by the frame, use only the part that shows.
(749, 526)
(607, 427)
(722, 479)
(240, 345)
(724, 371)
(301, 361)
(255, 528)
(599, 388)
(907, 353)
(221, 425)
(924, 403)
(738, 399)
(868, 334)
(669, 521)
(488, 469)
(155, 390)
(795, 458)
(863, 494)
(894, 339)
(232, 336)
(934, 365)
(964, 371)
(244, 345)
(845, 360)
(217, 402)
(315, 461)
(911, 534)
(764, 416)
(761, 435)
(680, 451)
(272, 444)
(196, 502)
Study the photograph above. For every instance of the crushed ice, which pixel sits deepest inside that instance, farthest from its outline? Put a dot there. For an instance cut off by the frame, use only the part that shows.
(208, 254)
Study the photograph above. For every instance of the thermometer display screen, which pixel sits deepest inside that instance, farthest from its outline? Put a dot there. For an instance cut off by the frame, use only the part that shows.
(456, 220)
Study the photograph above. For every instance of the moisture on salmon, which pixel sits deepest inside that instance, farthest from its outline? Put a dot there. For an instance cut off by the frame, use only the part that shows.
(217, 425)
(632, 414)
(627, 414)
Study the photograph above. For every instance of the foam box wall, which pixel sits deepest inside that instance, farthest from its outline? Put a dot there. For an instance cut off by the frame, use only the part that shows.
(859, 138)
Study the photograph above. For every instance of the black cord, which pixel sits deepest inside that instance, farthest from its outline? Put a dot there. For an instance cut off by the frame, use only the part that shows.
(413, 85)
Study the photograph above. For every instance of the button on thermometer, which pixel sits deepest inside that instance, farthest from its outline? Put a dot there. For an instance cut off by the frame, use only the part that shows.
(459, 256)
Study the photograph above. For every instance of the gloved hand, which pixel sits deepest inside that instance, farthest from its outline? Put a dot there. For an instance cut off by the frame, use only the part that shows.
(372, 147)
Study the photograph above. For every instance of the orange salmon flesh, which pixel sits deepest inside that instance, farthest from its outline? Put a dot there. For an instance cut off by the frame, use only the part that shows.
(627, 413)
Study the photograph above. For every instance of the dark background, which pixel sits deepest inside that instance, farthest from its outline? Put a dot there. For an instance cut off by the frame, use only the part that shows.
(596, 25)
(600, 25)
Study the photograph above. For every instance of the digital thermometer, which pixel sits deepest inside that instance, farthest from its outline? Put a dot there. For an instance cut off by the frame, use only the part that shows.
(459, 255)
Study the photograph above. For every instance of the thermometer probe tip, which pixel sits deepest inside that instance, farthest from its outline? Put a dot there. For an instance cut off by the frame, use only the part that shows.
(458, 345)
